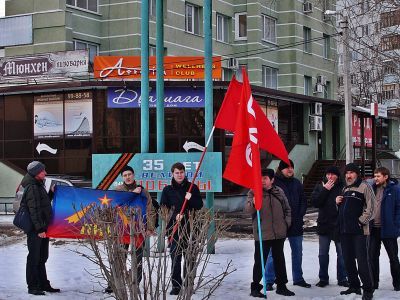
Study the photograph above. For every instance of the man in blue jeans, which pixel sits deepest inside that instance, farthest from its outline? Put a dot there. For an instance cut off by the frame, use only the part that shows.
(324, 198)
(293, 189)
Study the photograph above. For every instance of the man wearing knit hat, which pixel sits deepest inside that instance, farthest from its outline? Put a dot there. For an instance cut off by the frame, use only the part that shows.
(356, 206)
(275, 220)
(293, 189)
(38, 203)
(324, 198)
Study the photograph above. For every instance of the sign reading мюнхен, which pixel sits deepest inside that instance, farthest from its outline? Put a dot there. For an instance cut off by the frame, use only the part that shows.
(119, 97)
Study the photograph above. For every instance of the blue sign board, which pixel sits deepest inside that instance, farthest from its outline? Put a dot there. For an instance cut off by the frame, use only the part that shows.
(153, 170)
(120, 97)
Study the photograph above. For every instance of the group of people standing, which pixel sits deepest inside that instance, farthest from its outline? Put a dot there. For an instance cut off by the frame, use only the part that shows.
(355, 215)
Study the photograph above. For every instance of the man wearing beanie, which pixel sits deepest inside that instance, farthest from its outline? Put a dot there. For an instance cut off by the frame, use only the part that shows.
(293, 189)
(356, 206)
(324, 198)
(275, 219)
(38, 202)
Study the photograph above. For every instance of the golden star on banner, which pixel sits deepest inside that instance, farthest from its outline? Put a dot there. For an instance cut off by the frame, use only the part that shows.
(105, 200)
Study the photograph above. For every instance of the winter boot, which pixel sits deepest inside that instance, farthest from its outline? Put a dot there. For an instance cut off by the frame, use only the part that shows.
(351, 290)
(367, 295)
(281, 289)
(270, 287)
(256, 290)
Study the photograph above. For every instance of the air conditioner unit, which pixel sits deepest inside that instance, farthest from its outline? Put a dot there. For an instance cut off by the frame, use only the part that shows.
(233, 63)
(315, 123)
(321, 79)
(307, 7)
(319, 88)
(316, 109)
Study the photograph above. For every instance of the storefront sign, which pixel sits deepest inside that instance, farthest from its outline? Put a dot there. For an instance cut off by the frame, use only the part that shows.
(356, 131)
(119, 97)
(78, 114)
(69, 63)
(48, 116)
(153, 170)
(175, 67)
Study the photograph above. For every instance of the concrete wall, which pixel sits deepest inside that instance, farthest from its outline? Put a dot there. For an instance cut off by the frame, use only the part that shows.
(9, 180)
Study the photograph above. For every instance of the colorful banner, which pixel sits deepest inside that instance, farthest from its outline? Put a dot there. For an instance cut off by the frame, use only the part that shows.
(48, 121)
(356, 131)
(119, 97)
(78, 114)
(175, 67)
(72, 207)
(153, 170)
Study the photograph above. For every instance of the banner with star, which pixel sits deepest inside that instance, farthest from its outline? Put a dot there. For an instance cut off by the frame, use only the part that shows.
(71, 206)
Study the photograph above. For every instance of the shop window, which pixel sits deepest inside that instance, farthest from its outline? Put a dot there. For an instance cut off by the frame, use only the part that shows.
(18, 113)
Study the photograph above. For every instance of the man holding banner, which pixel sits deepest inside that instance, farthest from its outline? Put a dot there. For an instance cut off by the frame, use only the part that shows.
(129, 185)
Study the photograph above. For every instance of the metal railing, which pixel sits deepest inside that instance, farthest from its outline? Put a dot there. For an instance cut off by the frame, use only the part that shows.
(4, 210)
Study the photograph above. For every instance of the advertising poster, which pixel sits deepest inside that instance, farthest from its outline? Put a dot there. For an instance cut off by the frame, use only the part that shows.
(78, 114)
(48, 116)
(356, 131)
(272, 115)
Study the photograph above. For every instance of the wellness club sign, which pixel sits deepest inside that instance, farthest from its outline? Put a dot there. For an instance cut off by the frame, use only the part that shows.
(175, 67)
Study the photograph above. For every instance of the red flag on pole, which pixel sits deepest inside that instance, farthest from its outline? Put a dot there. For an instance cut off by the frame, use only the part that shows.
(243, 166)
(269, 140)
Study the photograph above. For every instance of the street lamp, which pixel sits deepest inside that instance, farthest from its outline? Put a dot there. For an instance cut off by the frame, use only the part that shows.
(344, 25)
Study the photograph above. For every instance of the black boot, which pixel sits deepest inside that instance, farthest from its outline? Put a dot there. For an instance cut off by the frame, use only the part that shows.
(255, 289)
(351, 291)
(108, 290)
(257, 294)
(175, 291)
(367, 295)
(283, 290)
(270, 287)
(303, 284)
(50, 289)
(36, 292)
(322, 283)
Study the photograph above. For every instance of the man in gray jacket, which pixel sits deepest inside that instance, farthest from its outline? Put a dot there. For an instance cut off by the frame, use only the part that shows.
(275, 220)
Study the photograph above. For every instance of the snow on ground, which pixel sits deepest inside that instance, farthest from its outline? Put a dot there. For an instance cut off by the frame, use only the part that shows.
(69, 271)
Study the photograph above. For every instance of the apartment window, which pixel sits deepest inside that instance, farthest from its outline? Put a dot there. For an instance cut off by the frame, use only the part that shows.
(91, 5)
(241, 26)
(307, 39)
(340, 80)
(270, 77)
(390, 42)
(192, 18)
(92, 48)
(327, 45)
(327, 90)
(353, 78)
(307, 86)
(153, 50)
(269, 29)
(222, 28)
(365, 30)
(390, 18)
(152, 8)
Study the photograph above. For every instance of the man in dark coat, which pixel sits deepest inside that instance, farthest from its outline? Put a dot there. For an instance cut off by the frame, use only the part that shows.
(293, 189)
(356, 209)
(275, 220)
(385, 228)
(324, 198)
(38, 202)
(173, 197)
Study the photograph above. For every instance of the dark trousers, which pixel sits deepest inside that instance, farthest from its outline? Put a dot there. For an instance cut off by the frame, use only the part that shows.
(392, 250)
(279, 262)
(355, 247)
(36, 276)
(177, 251)
(323, 256)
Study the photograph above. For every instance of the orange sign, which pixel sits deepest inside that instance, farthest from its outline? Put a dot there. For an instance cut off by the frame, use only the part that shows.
(175, 67)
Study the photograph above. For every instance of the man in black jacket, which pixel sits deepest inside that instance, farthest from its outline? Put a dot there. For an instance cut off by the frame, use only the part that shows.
(356, 208)
(324, 198)
(39, 207)
(173, 197)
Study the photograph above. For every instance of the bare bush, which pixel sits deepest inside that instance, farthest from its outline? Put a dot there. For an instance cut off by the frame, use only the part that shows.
(108, 230)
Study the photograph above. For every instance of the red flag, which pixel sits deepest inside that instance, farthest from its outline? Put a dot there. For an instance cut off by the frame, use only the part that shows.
(269, 140)
(226, 118)
(243, 166)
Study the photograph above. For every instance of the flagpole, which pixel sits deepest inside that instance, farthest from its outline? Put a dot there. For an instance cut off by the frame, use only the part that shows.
(261, 253)
(192, 183)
